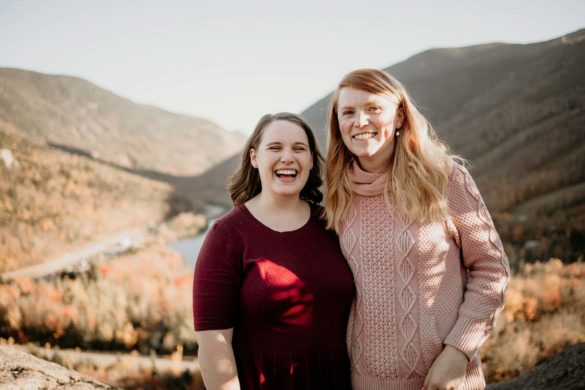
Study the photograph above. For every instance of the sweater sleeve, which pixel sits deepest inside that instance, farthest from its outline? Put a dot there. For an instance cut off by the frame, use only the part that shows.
(485, 261)
(217, 280)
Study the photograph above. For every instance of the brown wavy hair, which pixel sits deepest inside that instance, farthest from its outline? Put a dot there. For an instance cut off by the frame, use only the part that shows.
(245, 183)
(420, 166)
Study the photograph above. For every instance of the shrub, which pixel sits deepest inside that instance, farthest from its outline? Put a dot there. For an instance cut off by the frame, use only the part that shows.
(544, 313)
(140, 300)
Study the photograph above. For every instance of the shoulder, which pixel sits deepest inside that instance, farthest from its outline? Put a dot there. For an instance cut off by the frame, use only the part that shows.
(224, 238)
(460, 178)
(229, 222)
(237, 216)
(458, 172)
(462, 189)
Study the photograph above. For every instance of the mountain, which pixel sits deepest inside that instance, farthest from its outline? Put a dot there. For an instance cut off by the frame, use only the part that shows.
(80, 117)
(52, 201)
(517, 113)
(211, 186)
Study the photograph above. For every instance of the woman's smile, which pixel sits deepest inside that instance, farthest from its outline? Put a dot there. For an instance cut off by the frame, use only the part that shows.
(283, 159)
(286, 175)
(364, 136)
(367, 123)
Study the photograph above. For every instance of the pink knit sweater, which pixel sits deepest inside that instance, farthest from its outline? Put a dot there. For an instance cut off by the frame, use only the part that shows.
(419, 286)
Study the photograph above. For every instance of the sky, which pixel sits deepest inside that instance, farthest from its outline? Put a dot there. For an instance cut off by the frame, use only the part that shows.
(233, 61)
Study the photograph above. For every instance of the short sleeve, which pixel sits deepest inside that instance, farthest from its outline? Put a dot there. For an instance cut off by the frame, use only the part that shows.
(217, 280)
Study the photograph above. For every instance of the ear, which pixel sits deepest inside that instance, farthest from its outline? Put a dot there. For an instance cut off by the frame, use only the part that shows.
(399, 120)
(253, 158)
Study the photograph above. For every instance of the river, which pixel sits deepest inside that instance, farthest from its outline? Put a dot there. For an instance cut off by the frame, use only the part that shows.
(189, 247)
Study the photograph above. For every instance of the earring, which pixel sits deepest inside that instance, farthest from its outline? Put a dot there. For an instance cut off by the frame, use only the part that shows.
(397, 133)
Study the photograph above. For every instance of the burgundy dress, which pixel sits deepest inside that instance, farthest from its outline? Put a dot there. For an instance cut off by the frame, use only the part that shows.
(286, 294)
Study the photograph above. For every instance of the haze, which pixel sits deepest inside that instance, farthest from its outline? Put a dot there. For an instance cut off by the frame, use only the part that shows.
(231, 62)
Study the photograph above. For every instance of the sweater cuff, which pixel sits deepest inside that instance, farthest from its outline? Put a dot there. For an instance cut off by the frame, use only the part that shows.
(467, 336)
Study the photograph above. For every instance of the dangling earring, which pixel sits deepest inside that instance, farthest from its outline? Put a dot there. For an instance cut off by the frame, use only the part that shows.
(397, 133)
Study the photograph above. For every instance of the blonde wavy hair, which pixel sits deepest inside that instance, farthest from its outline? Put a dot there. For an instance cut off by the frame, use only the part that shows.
(418, 173)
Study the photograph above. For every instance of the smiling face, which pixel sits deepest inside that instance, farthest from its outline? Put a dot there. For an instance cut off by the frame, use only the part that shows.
(367, 123)
(283, 159)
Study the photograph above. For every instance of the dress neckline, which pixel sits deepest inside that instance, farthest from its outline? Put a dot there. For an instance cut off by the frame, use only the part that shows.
(269, 230)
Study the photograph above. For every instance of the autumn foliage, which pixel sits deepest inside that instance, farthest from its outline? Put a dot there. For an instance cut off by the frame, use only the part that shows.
(53, 202)
(139, 301)
(544, 313)
(142, 301)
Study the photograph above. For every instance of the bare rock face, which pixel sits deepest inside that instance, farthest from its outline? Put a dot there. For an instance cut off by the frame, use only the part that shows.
(565, 371)
(20, 370)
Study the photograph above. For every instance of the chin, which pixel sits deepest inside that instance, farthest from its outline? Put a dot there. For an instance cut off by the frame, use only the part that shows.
(288, 192)
(364, 154)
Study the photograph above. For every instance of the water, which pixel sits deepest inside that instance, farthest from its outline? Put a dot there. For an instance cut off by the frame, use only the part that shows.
(189, 247)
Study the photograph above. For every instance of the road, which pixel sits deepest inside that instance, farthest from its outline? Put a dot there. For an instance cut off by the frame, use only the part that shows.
(111, 245)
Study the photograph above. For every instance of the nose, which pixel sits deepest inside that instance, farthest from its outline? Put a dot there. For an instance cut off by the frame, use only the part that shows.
(361, 119)
(286, 156)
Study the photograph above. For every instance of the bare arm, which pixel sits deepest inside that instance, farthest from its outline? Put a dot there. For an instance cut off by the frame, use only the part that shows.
(216, 359)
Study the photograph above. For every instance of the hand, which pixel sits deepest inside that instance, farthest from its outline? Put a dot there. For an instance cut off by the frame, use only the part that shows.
(447, 371)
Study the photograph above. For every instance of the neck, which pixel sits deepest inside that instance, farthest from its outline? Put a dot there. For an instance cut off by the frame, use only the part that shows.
(279, 214)
(379, 162)
(273, 203)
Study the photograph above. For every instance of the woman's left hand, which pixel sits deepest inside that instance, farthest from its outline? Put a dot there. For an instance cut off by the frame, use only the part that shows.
(447, 371)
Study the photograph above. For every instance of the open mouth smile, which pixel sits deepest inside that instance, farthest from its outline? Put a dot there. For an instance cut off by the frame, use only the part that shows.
(364, 136)
(286, 173)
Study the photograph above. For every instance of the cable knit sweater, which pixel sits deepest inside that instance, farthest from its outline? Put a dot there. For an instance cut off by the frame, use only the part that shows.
(419, 286)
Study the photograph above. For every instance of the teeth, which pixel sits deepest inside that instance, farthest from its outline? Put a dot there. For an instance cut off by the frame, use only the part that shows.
(286, 172)
(363, 136)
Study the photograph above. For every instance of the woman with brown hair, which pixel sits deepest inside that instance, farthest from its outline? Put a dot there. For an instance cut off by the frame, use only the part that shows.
(272, 291)
(429, 267)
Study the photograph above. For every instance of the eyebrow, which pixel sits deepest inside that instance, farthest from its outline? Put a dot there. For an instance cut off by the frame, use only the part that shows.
(371, 103)
(294, 144)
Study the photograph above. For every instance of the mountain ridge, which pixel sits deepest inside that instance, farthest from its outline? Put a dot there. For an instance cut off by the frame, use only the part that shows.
(74, 112)
(516, 113)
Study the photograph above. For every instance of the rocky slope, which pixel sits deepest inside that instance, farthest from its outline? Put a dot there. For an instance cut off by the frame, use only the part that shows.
(566, 371)
(19, 370)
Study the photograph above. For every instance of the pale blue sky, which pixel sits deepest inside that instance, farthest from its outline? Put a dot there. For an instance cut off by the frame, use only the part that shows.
(233, 61)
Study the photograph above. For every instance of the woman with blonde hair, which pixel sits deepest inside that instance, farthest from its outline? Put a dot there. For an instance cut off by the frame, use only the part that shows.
(272, 291)
(429, 267)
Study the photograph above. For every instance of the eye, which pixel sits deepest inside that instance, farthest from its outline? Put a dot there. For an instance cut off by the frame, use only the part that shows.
(274, 147)
(346, 113)
(375, 109)
(299, 148)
